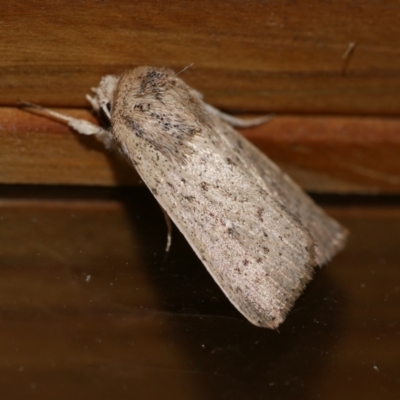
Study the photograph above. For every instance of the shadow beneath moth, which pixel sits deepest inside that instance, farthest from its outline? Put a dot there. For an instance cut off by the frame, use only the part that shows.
(257, 233)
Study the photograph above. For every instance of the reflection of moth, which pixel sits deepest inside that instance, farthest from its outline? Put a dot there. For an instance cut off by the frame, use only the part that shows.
(258, 234)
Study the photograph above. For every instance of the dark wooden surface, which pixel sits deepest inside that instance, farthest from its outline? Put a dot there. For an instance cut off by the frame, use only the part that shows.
(283, 57)
(89, 309)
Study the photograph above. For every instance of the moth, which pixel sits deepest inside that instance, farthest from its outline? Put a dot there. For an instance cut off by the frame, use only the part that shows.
(257, 233)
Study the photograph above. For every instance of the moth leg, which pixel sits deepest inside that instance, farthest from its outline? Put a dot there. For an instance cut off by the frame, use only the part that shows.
(169, 231)
(79, 125)
(235, 121)
(196, 93)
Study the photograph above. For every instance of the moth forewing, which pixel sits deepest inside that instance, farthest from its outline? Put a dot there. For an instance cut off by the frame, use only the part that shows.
(253, 242)
(328, 235)
(258, 254)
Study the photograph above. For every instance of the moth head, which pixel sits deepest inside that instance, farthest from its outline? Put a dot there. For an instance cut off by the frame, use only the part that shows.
(103, 99)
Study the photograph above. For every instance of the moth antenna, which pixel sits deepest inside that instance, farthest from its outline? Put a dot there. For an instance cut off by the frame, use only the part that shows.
(184, 69)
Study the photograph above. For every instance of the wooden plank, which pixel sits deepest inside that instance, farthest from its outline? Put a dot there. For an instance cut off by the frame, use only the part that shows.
(35, 287)
(323, 154)
(286, 57)
(91, 309)
(37, 150)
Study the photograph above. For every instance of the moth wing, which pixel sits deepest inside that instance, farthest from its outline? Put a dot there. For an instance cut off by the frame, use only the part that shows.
(329, 236)
(259, 253)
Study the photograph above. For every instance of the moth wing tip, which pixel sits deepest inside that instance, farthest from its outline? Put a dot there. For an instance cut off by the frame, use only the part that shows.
(338, 243)
(267, 321)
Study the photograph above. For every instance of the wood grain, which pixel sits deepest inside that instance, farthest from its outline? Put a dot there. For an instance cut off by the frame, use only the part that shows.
(257, 56)
(323, 154)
